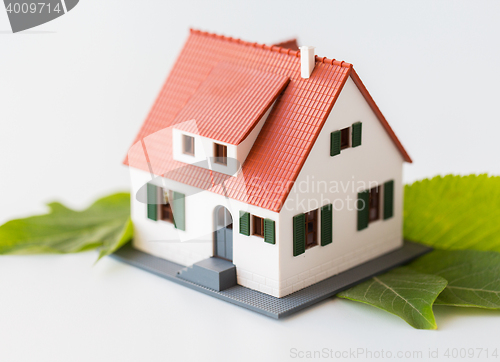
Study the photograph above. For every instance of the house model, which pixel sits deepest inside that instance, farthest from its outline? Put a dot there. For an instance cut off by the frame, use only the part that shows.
(264, 166)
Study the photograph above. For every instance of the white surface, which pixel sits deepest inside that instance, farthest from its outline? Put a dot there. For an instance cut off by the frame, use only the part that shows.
(75, 91)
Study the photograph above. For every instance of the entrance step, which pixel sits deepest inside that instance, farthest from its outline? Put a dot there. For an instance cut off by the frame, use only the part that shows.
(213, 273)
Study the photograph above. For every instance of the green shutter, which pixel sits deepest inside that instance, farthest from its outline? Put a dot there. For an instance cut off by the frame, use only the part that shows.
(269, 232)
(356, 134)
(335, 143)
(152, 198)
(244, 223)
(326, 224)
(388, 199)
(178, 209)
(363, 209)
(299, 234)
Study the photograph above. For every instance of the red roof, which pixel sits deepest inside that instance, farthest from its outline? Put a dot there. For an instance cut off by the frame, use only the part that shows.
(230, 102)
(287, 136)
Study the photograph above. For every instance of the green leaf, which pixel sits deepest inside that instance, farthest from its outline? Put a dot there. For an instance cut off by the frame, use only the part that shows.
(454, 212)
(473, 276)
(403, 292)
(105, 224)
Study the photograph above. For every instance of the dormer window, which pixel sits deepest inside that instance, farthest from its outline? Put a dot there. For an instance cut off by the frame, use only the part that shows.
(220, 153)
(188, 145)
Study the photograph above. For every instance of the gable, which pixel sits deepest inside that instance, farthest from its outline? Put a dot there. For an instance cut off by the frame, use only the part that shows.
(376, 159)
(379, 115)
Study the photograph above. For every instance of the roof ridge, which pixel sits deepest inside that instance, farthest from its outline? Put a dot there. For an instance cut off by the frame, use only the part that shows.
(272, 48)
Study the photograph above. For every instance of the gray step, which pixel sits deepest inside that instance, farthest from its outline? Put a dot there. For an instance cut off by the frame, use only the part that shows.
(213, 273)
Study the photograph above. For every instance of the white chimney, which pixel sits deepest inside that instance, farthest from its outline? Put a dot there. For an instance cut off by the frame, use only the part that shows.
(307, 61)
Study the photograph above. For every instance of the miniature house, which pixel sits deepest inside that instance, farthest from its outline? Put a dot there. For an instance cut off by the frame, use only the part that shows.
(266, 166)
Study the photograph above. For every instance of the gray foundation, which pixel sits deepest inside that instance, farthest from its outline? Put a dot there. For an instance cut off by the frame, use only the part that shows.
(268, 305)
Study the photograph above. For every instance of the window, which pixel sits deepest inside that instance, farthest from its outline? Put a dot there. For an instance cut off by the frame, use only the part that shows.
(305, 231)
(188, 145)
(165, 207)
(344, 138)
(263, 228)
(220, 152)
(311, 220)
(258, 226)
(374, 204)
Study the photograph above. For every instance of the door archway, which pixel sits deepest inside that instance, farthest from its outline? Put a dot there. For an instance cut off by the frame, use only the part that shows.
(223, 235)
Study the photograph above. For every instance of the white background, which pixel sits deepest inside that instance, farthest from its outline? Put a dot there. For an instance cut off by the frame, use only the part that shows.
(73, 94)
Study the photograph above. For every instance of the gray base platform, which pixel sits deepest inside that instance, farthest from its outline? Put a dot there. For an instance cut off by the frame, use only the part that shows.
(268, 305)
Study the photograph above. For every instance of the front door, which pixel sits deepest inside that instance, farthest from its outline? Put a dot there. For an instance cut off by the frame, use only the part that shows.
(223, 234)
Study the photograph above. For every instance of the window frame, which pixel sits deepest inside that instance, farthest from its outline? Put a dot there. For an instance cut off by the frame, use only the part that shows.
(345, 138)
(314, 230)
(218, 159)
(257, 221)
(374, 204)
(185, 139)
(165, 212)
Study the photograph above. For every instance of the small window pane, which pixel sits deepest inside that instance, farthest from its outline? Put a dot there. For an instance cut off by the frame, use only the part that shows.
(311, 221)
(310, 239)
(374, 206)
(220, 153)
(188, 145)
(344, 138)
(165, 208)
(258, 226)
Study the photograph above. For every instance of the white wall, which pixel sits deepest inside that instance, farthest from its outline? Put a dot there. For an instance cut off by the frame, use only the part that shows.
(161, 238)
(256, 261)
(377, 160)
(200, 147)
(204, 151)
(273, 269)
